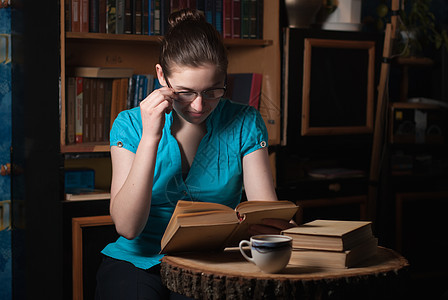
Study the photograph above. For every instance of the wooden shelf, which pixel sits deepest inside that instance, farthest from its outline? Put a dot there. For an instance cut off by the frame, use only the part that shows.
(153, 39)
(414, 61)
(86, 147)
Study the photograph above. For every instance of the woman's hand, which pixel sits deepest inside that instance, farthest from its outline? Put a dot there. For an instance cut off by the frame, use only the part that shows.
(271, 226)
(153, 109)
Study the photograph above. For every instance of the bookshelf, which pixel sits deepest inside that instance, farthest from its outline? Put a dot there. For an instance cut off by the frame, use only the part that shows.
(140, 52)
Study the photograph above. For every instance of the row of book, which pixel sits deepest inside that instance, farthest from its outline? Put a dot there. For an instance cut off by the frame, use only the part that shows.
(96, 95)
(332, 243)
(232, 18)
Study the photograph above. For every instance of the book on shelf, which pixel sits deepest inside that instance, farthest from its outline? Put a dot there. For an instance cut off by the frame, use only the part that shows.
(73, 11)
(71, 110)
(201, 226)
(335, 259)
(236, 19)
(101, 72)
(94, 24)
(86, 92)
(245, 88)
(92, 109)
(227, 19)
(332, 235)
(84, 15)
(87, 194)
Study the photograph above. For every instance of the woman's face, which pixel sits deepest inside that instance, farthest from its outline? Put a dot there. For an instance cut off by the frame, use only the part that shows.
(189, 83)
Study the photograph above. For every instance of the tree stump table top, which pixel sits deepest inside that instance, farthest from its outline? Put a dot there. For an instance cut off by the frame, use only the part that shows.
(227, 275)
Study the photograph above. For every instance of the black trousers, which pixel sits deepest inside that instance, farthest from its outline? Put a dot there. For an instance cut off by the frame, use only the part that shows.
(121, 280)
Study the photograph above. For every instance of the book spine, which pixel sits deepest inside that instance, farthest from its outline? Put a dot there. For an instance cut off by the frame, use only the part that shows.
(78, 115)
(75, 16)
(253, 19)
(107, 107)
(86, 110)
(218, 23)
(164, 13)
(100, 110)
(151, 17)
(120, 16)
(93, 106)
(145, 17)
(245, 18)
(68, 15)
(124, 83)
(255, 91)
(157, 17)
(94, 24)
(260, 16)
(102, 12)
(84, 16)
(114, 101)
(137, 15)
(208, 11)
(130, 98)
(227, 17)
(236, 19)
(71, 110)
(128, 17)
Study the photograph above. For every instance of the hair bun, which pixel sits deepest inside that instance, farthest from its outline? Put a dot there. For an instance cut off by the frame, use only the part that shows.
(185, 15)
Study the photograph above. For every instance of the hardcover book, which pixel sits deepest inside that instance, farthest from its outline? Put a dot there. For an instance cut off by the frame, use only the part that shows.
(245, 88)
(332, 235)
(202, 226)
(335, 259)
(71, 110)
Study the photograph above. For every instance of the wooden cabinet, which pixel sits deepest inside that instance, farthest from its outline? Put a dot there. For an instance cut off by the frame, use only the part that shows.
(329, 80)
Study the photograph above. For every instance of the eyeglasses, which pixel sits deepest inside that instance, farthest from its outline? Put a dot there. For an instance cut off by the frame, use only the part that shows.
(210, 94)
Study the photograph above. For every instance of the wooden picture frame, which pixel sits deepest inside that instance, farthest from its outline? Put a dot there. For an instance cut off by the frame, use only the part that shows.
(79, 225)
(328, 66)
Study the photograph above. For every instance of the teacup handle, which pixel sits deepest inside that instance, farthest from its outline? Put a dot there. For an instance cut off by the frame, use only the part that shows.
(243, 243)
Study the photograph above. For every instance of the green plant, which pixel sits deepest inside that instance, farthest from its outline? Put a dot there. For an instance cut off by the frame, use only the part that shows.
(419, 23)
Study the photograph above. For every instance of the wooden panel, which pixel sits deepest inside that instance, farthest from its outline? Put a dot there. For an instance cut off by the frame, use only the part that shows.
(79, 225)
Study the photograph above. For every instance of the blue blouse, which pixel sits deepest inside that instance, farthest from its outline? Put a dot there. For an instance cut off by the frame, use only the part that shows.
(216, 174)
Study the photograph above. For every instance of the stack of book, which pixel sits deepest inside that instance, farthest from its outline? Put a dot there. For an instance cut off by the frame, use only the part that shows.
(332, 243)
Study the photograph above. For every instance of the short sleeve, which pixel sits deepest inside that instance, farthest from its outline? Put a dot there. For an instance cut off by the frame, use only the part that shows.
(254, 132)
(126, 130)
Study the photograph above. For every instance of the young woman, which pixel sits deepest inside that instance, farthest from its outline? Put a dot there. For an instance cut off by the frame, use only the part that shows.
(184, 142)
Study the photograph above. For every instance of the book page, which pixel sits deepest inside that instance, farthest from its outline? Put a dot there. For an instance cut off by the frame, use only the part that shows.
(198, 238)
(256, 217)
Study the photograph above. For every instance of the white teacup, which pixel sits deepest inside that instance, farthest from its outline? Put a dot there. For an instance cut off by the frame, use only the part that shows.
(271, 253)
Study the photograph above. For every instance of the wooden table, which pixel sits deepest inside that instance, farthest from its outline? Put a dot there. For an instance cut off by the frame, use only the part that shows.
(227, 275)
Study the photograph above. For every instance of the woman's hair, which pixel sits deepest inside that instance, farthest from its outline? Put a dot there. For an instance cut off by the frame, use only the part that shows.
(192, 42)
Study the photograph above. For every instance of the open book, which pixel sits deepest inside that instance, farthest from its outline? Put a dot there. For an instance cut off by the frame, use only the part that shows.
(201, 226)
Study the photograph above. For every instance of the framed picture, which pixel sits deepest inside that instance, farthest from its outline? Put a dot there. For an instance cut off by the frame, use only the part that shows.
(338, 86)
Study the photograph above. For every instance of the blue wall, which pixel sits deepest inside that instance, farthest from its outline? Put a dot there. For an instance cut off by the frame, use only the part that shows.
(5, 144)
